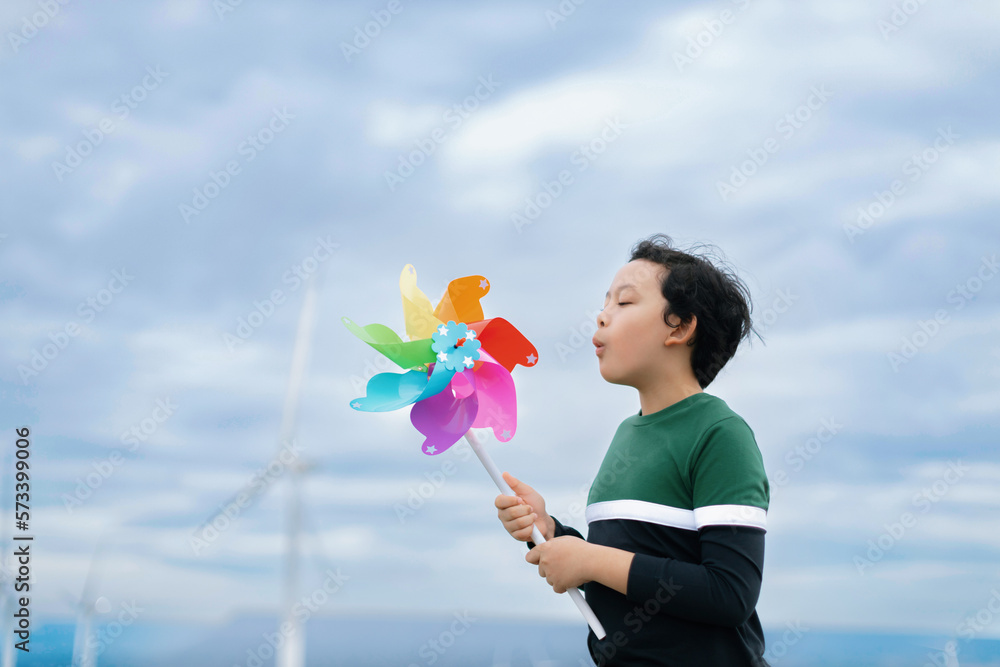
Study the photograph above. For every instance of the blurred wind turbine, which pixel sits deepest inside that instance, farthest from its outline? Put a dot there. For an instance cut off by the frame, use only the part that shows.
(291, 653)
(83, 649)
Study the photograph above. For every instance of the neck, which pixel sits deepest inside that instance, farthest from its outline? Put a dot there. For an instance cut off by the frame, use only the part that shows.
(656, 398)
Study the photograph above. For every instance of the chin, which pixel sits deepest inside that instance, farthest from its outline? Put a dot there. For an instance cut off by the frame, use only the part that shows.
(604, 373)
(612, 378)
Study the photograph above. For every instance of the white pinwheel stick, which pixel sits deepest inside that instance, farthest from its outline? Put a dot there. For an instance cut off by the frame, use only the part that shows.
(536, 535)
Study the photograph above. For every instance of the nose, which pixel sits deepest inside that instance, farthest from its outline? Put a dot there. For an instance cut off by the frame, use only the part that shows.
(601, 319)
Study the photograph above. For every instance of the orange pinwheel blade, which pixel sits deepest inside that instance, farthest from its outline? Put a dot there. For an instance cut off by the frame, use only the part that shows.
(461, 300)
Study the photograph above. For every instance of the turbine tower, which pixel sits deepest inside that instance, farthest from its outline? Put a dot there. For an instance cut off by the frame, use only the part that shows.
(292, 651)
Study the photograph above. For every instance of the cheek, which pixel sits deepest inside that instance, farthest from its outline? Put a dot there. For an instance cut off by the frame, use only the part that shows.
(643, 336)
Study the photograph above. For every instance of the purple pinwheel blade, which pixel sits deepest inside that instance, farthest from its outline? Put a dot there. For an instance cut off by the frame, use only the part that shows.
(446, 416)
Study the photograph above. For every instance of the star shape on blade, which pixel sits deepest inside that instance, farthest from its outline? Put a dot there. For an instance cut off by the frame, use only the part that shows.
(356, 404)
(484, 283)
(506, 434)
(532, 359)
(431, 449)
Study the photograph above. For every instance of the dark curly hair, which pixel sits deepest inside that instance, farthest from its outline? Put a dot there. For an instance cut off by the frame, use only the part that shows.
(719, 300)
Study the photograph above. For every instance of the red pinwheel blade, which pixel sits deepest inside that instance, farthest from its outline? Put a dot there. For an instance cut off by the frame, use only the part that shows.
(505, 343)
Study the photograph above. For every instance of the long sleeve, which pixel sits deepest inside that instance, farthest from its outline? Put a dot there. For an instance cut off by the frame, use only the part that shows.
(722, 589)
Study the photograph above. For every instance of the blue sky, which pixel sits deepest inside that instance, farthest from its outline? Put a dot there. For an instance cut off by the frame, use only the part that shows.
(761, 127)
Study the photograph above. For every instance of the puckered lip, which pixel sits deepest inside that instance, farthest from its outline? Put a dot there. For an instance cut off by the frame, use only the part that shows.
(597, 342)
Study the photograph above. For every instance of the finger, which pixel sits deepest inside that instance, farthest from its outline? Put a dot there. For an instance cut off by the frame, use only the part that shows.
(509, 520)
(503, 502)
(513, 513)
(520, 510)
(523, 532)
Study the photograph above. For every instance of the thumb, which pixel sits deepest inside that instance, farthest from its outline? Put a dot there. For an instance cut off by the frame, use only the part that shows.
(514, 482)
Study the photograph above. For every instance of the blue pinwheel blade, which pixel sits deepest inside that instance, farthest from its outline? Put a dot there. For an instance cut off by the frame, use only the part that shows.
(391, 391)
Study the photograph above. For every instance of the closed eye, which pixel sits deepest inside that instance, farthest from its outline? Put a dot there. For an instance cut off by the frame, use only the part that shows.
(622, 303)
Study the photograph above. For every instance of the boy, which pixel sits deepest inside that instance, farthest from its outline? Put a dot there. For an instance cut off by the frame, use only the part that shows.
(676, 514)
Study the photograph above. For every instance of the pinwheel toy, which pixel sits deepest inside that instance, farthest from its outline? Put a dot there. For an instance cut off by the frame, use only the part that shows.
(458, 376)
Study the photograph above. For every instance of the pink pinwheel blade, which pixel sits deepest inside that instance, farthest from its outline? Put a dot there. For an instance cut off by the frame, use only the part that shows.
(446, 416)
(497, 400)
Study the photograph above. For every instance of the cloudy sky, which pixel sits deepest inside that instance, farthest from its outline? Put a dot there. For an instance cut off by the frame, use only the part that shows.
(172, 170)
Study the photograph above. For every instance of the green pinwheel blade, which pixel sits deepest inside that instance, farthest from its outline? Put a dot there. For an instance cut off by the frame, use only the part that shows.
(414, 354)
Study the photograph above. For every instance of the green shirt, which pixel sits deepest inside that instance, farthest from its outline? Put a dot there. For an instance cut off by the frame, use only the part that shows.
(692, 464)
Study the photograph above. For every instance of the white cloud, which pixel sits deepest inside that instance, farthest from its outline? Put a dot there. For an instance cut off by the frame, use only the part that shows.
(35, 148)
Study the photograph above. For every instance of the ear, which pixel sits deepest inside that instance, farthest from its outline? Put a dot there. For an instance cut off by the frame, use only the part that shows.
(682, 333)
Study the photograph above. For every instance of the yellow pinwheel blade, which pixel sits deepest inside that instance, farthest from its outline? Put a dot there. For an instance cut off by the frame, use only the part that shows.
(417, 310)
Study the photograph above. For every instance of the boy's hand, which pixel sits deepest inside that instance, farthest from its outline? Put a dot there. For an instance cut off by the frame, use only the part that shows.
(564, 562)
(518, 513)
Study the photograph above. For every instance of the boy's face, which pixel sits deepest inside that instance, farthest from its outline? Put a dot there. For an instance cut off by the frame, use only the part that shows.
(630, 329)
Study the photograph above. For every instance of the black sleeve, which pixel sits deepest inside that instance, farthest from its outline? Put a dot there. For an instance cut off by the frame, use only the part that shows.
(559, 532)
(722, 589)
